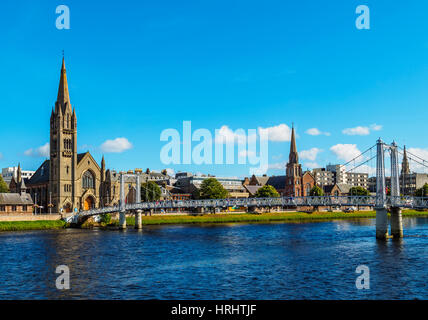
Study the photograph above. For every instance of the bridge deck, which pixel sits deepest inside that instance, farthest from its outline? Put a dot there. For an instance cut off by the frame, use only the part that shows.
(339, 201)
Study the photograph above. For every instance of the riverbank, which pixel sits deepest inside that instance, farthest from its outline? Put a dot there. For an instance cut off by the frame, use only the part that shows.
(292, 217)
(31, 225)
(260, 218)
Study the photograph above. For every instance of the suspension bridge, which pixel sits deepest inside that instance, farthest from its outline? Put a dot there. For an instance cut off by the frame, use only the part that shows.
(380, 202)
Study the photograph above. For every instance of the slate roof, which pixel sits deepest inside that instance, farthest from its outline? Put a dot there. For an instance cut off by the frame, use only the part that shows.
(15, 199)
(344, 188)
(252, 189)
(328, 188)
(278, 182)
(262, 180)
(41, 175)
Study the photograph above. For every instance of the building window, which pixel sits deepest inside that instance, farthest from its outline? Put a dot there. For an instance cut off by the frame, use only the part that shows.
(13, 208)
(2, 208)
(88, 180)
(24, 208)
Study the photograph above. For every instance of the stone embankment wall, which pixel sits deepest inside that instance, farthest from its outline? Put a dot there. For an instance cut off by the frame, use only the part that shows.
(41, 217)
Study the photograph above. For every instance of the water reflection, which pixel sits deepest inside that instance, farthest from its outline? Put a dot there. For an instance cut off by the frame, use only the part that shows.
(236, 261)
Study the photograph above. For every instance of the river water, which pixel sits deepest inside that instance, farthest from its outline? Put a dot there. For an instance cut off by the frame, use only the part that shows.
(234, 261)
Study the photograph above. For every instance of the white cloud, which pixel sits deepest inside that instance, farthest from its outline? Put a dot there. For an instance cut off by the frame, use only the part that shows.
(316, 132)
(376, 127)
(278, 133)
(277, 166)
(310, 154)
(42, 151)
(357, 131)
(117, 145)
(368, 169)
(345, 152)
(311, 165)
(170, 172)
(227, 135)
(361, 131)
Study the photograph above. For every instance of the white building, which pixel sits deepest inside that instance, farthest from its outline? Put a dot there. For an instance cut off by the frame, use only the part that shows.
(8, 173)
(336, 174)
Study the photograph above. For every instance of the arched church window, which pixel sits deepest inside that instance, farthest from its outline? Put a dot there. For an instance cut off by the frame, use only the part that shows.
(308, 189)
(88, 181)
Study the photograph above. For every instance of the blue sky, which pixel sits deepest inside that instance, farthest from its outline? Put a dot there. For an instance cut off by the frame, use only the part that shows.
(136, 68)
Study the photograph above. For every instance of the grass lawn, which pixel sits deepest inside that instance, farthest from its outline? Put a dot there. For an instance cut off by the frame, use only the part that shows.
(265, 217)
(31, 225)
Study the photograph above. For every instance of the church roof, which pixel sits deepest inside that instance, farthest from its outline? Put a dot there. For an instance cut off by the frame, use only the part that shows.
(80, 156)
(41, 175)
(278, 182)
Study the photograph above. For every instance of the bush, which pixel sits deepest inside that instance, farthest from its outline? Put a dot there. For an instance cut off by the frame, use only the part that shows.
(316, 192)
(267, 191)
(106, 218)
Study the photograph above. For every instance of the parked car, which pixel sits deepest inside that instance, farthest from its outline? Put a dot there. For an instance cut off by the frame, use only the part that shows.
(350, 209)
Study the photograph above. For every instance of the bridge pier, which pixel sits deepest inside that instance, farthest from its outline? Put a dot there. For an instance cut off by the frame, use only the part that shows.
(122, 220)
(381, 223)
(396, 223)
(138, 220)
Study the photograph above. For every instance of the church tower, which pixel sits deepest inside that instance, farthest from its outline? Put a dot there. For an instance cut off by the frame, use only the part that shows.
(405, 167)
(293, 176)
(63, 149)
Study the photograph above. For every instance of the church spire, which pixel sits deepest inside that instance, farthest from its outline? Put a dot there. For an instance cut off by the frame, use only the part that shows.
(63, 98)
(293, 157)
(19, 174)
(405, 167)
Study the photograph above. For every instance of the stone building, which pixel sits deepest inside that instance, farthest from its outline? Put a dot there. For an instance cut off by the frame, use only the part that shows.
(294, 183)
(297, 183)
(18, 201)
(71, 181)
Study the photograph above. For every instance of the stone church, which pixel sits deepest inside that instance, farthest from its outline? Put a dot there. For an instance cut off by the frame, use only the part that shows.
(71, 181)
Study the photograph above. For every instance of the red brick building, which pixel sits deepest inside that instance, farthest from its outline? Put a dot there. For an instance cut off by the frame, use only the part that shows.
(297, 183)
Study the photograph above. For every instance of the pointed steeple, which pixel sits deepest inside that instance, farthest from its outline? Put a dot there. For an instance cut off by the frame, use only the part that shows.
(405, 167)
(19, 174)
(63, 98)
(293, 157)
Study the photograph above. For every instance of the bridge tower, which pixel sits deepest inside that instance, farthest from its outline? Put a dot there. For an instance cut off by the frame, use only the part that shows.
(381, 200)
(396, 218)
(381, 212)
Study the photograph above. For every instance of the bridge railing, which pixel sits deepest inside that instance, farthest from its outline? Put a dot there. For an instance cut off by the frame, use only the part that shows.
(312, 201)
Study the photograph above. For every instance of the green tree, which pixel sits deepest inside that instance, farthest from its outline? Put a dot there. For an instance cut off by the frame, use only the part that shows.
(150, 191)
(212, 189)
(316, 192)
(4, 188)
(359, 191)
(267, 191)
(422, 192)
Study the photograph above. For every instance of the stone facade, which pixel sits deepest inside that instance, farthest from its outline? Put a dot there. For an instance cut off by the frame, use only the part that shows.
(71, 181)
